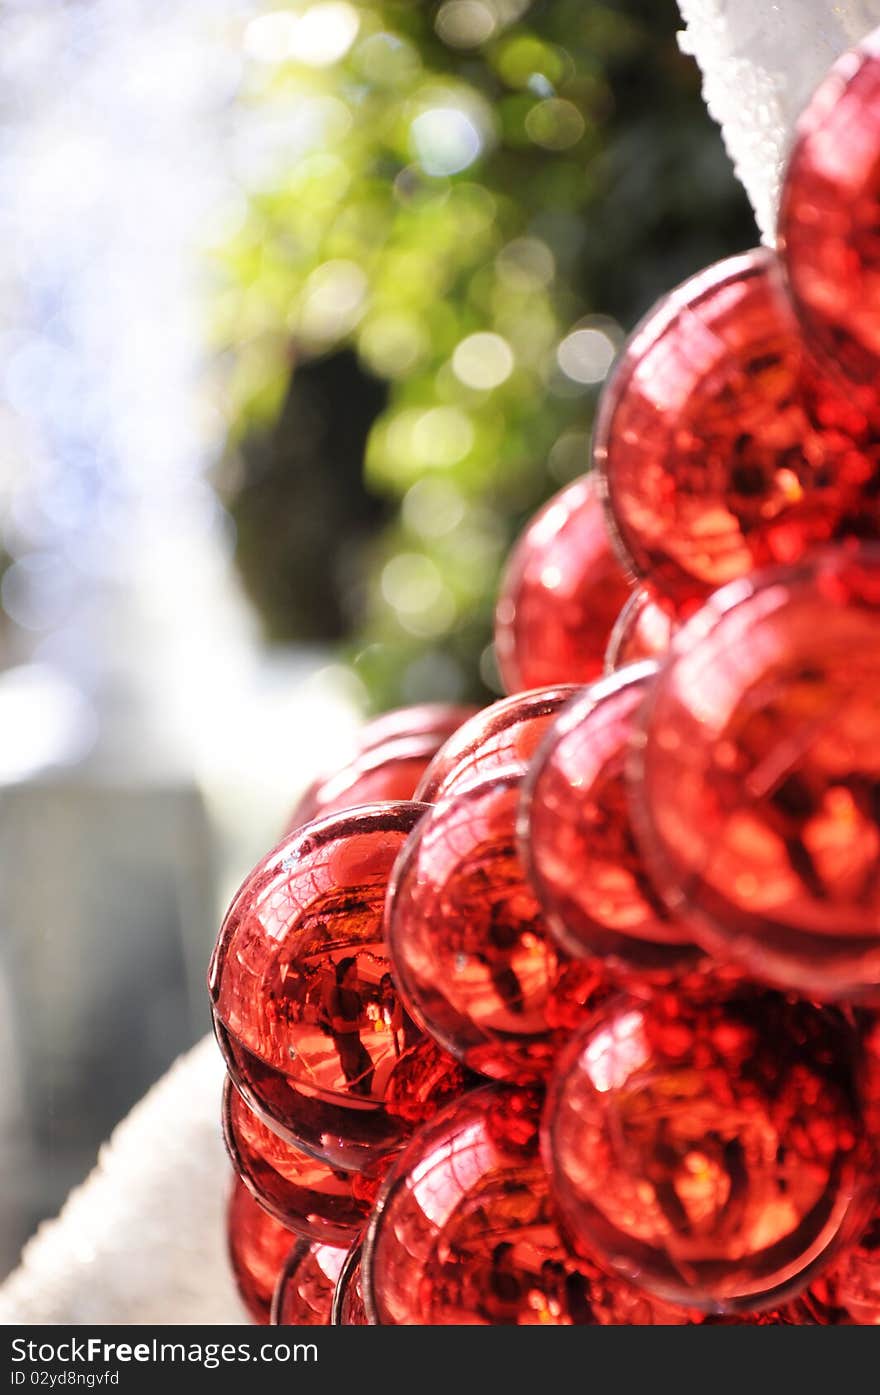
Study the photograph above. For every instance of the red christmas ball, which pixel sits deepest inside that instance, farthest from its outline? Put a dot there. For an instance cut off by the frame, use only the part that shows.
(258, 1246)
(472, 955)
(643, 630)
(578, 845)
(305, 1194)
(721, 445)
(392, 754)
(505, 734)
(438, 719)
(828, 219)
(756, 790)
(305, 1008)
(465, 1231)
(560, 595)
(348, 1300)
(304, 1292)
(716, 1152)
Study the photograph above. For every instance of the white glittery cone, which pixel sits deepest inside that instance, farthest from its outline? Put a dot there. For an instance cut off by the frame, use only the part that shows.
(143, 1240)
(761, 60)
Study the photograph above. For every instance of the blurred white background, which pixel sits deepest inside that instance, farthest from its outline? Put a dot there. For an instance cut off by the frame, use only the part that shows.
(149, 749)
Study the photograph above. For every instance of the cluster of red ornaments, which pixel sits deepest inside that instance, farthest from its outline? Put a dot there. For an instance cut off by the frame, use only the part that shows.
(566, 1011)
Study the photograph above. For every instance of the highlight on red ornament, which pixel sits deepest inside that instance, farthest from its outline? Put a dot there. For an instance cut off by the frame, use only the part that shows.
(718, 1154)
(305, 1006)
(765, 723)
(561, 593)
(578, 845)
(472, 953)
(505, 734)
(465, 1231)
(391, 757)
(300, 1191)
(721, 445)
(827, 233)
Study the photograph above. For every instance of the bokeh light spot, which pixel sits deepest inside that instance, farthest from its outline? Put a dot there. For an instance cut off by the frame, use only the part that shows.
(445, 140)
(555, 124)
(483, 361)
(465, 23)
(585, 355)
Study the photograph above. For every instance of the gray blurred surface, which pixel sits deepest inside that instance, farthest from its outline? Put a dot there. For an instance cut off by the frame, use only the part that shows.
(106, 922)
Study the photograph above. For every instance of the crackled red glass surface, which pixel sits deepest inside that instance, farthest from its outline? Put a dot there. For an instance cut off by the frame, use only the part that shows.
(722, 446)
(828, 218)
(465, 1231)
(304, 1292)
(643, 630)
(348, 1299)
(757, 788)
(258, 1246)
(505, 734)
(560, 595)
(715, 1153)
(391, 756)
(473, 957)
(302, 1192)
(577, 840)
(305, 1006)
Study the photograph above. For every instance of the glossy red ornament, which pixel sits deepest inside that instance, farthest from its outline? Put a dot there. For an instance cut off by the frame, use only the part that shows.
(643, 630)
(439, 719)
(560, 594)
(506, 734)
(258, 1246)
(305, 1008)
(828, 216)
(302, 1192)
(465, 1231)
(304, 1292)
(756, 791)
(348, 1299)
(715, 1153)
(472, 954)
(392, 754)
(577, 842)
(721, 446)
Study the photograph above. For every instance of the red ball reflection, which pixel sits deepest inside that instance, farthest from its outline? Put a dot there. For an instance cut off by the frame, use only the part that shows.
(577, 840)
(503, 735)
(392, 754)
(348, 1300)
(757, 790)
(714, 1153)
(304, 1293)
(305, 1007)
(643, 630)
(721, 445)
(258, 1247)
(560, 595)
(302, 1192)
(472, 955)
(828, 216)
(465, 1231)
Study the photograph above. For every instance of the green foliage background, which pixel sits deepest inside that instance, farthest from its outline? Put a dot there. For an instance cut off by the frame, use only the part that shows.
(472, 167)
